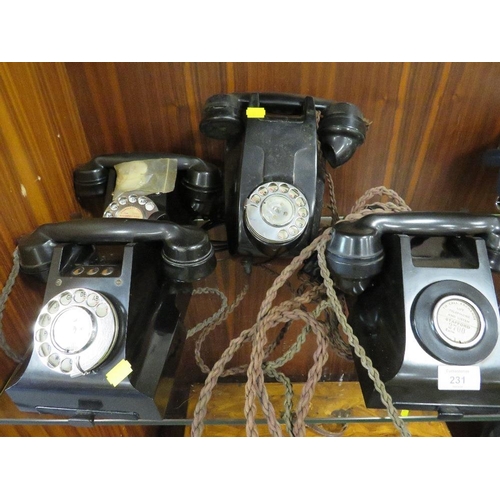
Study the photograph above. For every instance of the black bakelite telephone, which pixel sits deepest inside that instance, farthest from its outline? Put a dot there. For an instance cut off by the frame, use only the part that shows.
(193, 188)
(116, 293)
(426, 310)
(274, 164)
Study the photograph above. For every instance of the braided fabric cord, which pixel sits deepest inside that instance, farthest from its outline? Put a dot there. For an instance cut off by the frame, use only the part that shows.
(3, 299)
(215, 317)
(246, 336)
(332, 203)
(326, 333)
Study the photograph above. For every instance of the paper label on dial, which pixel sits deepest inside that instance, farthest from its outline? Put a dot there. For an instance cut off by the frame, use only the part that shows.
(130, 213)
(459, 378)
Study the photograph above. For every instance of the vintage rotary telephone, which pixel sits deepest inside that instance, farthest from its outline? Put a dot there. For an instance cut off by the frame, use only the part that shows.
(274, 164)
(112, 319)
(427, 312)
(156, 186)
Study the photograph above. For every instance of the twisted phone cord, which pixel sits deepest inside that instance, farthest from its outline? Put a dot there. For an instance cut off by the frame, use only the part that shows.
(245, 336)
(297, 302)
(270, 367)
(3, 299)
(210, 324)
(270, 316)
(215, 317)
(362, 203)
(332, 203)
(255, 377)
(354, 342)
(256, 387)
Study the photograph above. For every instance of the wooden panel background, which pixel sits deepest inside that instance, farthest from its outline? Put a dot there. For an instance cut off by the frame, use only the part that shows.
(430, 124)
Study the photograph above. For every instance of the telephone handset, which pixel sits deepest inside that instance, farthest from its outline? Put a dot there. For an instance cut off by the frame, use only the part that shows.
(153, 186)
(274, 164)
(112, 320)
(426, 310)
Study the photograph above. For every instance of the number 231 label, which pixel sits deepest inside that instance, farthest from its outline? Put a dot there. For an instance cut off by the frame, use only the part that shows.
(459, 378)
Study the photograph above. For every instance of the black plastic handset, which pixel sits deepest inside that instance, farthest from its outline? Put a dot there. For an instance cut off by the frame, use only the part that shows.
(198, 184)
(355, 252)
(274, 165)
(341, 128)
(187, 252)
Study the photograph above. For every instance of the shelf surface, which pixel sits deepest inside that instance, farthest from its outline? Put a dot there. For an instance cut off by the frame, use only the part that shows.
(333, 405)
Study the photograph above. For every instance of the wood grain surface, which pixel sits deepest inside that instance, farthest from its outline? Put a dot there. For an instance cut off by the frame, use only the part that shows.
(430, 123)
(335, 399)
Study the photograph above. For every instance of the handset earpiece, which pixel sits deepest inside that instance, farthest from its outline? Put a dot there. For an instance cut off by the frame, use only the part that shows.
(355, 255)
(341, 131)
(202, 184)
(221, 116)
(188, 254)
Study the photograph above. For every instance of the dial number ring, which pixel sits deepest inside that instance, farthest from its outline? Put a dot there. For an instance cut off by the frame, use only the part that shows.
(276, 212)
(131, 206)
(75, 337)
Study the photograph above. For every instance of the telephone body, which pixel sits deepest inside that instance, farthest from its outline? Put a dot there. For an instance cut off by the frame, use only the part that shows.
(193, 188)
(111, 329)
(426, 310)
(274, 166)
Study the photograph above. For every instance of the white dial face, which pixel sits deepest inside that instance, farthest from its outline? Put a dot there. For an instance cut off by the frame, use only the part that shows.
(276, 212)
(75, 331)
(458, 321)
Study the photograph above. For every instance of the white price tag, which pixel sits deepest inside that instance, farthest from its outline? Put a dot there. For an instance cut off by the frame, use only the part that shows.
(459, 378)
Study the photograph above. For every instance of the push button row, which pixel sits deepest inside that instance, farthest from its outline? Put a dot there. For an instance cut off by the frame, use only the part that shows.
(93, 271)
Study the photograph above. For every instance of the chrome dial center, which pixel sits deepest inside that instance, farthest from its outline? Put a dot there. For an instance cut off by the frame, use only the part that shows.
(458, 321)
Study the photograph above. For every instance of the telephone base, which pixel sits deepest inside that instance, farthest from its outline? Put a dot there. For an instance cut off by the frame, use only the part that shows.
(422, 397)
(79, 406)
(411, 322)
(149, 310)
